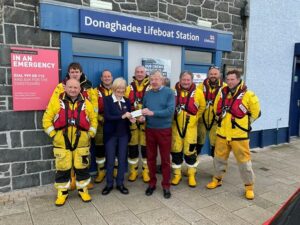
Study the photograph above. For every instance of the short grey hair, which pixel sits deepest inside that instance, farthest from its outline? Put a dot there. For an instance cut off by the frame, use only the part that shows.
(153, 72)
(186, 72)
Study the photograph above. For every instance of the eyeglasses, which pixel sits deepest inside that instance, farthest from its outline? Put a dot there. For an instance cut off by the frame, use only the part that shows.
(214, 67)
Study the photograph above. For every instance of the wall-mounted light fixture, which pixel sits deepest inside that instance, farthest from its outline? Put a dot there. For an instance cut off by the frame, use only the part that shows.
(101, 4)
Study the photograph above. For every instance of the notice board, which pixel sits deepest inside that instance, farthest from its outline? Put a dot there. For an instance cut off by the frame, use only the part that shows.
(34, 77)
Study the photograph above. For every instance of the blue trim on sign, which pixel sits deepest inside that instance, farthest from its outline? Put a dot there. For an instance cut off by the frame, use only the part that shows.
(58, 18)
(66, 53)
(263, 138)
(224, 42)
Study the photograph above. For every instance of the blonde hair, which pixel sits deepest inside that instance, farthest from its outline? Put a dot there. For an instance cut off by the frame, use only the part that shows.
(118, 83)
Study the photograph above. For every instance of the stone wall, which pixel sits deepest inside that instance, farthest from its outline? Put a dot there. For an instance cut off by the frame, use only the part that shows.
(26, 157)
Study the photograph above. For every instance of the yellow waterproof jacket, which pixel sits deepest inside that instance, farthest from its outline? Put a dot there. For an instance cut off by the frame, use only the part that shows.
(86, 89)
(234, 122)
(210, 93)
(190, 105)
(135, 92)
(51, 115)
(100, 92)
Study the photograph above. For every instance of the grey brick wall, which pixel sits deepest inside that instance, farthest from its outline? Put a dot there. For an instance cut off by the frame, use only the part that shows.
(26, 157)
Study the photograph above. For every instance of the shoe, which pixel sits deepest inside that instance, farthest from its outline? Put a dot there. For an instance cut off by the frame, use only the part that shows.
(106, 190)
(123, 189)
(167, 193)
(177, 176)
(249, 193)
(150, 191)
(191, 177)
(145, 174)
(84, 195)
(214, 183)
(62, 196)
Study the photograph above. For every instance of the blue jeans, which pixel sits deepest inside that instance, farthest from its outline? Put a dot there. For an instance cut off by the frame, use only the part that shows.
(116, 145)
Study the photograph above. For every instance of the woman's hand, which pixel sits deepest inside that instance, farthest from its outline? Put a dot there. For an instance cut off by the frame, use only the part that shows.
(126, 115)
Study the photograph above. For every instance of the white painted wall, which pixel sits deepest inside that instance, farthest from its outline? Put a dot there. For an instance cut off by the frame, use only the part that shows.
(139, 50)
(274, 28)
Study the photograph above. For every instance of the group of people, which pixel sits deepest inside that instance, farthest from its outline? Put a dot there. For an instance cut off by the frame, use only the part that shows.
(127, 123)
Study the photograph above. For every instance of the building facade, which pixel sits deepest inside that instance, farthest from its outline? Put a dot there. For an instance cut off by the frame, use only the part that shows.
(26, 152)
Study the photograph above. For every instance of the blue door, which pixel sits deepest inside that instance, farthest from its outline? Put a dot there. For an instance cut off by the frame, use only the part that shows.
(294, 122)
(93, 67)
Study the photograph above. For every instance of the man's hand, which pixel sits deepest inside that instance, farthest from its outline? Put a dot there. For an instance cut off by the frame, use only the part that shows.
(141, 119)
(147, 112)
(132, 120)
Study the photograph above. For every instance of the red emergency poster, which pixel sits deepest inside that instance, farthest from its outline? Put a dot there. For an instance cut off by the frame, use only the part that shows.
(34, 76)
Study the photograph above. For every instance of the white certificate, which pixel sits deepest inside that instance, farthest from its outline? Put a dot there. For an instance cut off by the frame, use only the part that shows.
(136, 113)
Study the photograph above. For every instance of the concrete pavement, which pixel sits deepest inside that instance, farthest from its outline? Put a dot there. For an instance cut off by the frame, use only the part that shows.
(277, 177)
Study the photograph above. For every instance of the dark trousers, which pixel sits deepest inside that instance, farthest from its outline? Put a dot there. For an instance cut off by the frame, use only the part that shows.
(116, 146)
(161, 139)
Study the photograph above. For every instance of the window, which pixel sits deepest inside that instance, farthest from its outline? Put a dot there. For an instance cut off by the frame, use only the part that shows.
(100, 47)
(197, 57)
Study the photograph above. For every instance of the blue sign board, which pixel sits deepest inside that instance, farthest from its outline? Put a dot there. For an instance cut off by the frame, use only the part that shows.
(132, 28)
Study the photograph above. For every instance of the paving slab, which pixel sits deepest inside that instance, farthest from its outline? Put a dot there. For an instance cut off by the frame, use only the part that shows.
(124, 218)
(89, 216)
(162, 216)
(16, 219)
(253, 214)
(221, 216)
(60, 216)
(183, 210)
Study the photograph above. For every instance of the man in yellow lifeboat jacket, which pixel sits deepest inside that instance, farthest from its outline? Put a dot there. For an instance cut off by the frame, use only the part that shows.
(190, 104)
(135, 92)
(207, 122)
(75, 72)
(71, 122)
(236, 108)
(104, 89)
